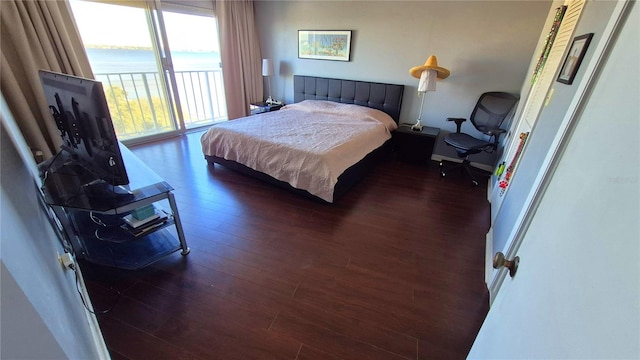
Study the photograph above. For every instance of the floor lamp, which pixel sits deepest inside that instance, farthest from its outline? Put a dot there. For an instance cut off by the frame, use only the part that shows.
(427, 73)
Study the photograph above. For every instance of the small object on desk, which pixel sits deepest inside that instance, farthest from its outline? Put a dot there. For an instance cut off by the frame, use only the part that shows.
(271, 101)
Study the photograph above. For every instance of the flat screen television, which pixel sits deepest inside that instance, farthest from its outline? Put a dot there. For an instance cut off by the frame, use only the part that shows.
(79, 108)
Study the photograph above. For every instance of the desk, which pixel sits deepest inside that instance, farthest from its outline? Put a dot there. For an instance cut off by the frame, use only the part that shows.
(94, 222)
(415, 146)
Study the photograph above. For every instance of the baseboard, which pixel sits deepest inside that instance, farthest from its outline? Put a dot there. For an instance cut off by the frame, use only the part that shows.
(100, 346)
(438, 157)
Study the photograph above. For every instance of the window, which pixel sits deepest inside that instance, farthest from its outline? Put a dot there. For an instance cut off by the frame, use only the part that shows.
(160, 69)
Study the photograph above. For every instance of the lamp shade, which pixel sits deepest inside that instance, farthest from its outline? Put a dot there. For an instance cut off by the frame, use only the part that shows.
(430, 64)
(267, 67)
(427, 81)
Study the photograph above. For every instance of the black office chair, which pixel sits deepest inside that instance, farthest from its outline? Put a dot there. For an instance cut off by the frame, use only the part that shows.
(488, 115)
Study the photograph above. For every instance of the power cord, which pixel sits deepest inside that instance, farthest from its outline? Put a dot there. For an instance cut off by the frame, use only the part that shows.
(96, 219)
(67, 262)
(45, 172)
(103, 227)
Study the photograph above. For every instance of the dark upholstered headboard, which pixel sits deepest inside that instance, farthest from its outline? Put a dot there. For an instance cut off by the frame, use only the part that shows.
(385, 97)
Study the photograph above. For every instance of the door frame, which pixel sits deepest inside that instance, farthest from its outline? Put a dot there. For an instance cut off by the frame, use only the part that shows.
(560, 141)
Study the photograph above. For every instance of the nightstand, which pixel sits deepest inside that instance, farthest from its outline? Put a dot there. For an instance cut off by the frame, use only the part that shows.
(262, 107)
(415, 146)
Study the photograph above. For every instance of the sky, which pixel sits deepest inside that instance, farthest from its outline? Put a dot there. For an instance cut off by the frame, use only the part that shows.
(113, 25)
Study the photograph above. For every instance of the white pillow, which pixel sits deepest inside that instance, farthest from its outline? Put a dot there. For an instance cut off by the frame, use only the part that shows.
(348, 110)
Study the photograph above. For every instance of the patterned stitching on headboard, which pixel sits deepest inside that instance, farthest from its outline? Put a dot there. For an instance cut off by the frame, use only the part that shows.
(385, 97)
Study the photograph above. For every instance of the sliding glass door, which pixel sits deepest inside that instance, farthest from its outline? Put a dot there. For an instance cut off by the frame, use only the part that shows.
(195, 51)
(160, 69)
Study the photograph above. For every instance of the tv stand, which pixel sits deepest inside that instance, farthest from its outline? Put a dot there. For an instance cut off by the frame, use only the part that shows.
(92, 213)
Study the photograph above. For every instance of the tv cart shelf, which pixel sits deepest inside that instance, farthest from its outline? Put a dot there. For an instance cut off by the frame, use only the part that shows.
(93, 220)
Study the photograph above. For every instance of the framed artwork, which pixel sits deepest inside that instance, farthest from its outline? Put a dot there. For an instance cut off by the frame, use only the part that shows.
(324, 44)
(574, 58)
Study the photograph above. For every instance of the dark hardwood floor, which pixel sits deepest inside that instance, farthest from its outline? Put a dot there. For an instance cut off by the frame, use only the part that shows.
(394, 270)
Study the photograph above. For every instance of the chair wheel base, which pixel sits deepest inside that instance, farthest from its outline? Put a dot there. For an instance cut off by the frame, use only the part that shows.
(464, 166)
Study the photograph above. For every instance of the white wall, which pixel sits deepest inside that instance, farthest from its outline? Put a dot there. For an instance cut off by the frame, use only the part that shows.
(593, 20)
(487, 45)
(576, 294)
(24, 333)
(42, 315)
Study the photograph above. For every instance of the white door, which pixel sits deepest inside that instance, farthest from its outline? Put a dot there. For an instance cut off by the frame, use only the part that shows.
(532, 105)
(520, 156)
(576, 292)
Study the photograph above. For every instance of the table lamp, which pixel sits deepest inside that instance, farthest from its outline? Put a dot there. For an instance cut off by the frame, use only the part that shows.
(267, 70)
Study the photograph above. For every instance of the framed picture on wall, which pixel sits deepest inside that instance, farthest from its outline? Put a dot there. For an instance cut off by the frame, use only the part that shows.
(324, 44)
(574, 58)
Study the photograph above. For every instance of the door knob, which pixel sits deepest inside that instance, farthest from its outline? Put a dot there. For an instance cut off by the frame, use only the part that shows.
(499, 261)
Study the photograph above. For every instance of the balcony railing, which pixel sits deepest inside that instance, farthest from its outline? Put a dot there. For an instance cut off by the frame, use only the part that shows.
(138, 105)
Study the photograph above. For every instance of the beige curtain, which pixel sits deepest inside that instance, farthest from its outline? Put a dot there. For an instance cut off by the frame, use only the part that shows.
(37, 35)
(240, 53)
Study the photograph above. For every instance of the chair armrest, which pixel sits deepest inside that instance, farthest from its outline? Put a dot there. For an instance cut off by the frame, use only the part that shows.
(496, 132)
(458, 122)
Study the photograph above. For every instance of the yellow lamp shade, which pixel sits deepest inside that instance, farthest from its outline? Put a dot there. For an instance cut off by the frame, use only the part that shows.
(430, 64)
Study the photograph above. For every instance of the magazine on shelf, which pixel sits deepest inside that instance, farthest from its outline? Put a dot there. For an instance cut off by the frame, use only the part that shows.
(149, 224)
(136, 223)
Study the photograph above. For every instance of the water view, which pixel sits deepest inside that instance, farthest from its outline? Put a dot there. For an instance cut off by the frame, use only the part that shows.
(122, 60)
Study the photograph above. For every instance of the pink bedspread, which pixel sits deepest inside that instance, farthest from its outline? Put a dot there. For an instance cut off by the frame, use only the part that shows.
(308, 144)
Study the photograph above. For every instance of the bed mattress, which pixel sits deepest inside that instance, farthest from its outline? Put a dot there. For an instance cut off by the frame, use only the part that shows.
(307, 145)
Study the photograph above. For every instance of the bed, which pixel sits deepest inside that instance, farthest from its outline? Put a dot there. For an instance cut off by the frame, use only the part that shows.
(285, 147)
